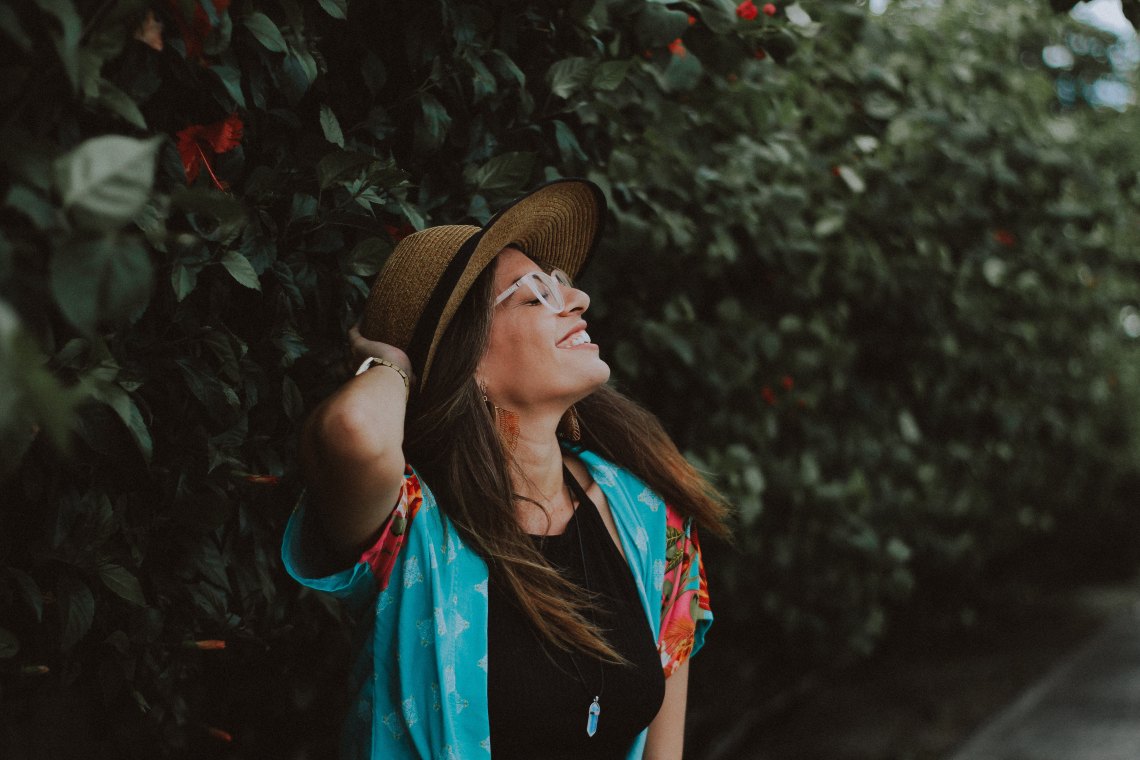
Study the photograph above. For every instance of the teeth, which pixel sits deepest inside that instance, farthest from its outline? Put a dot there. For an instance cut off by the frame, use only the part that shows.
(578, 339)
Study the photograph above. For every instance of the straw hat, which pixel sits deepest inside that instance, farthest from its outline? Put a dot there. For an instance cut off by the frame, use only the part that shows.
(428, 274)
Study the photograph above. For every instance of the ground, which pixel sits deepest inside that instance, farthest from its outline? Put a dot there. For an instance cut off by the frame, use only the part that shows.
(915, 700)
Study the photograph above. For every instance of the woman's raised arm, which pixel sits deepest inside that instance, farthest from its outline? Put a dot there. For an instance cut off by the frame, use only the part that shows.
(352, 451)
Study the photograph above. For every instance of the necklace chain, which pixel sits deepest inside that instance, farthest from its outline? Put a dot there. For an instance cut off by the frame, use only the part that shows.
(594, 710)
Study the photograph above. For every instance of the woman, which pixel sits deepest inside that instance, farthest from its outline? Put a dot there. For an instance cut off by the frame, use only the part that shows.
(497, 513)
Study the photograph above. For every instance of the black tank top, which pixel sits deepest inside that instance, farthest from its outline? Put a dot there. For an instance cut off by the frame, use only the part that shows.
(537, 701)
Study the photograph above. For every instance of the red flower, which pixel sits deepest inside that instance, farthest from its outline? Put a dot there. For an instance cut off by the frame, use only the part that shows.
(219, 734)
(206, 645)
(677, 48)
(398, 233)
(692, 20)
(194, 31)
(768, 395)
(759, 54)
(769, 9)
(219, 137)
(747, 10)
(263, 480)
(149, 32)
(787, 382)
(1005, 237)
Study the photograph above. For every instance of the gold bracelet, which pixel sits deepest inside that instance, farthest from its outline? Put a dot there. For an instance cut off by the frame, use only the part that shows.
(373, 361)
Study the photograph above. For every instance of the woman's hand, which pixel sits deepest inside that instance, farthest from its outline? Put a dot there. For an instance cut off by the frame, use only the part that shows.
(362, 349)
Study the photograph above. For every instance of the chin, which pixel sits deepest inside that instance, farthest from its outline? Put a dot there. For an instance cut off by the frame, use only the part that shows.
(601, 377)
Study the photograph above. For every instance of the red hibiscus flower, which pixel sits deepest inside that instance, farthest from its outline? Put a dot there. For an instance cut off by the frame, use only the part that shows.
(769, 9)
(197, 139)
(399, 232)
(195, 30)
(1005, 237)
(747, 10)
(677, 48)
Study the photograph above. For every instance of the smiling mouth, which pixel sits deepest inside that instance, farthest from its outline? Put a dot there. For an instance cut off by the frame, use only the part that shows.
(577, 339)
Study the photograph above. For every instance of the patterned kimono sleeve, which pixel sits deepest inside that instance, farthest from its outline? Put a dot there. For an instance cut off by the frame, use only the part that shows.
(685, 610)
(381, 556)
(371, 570)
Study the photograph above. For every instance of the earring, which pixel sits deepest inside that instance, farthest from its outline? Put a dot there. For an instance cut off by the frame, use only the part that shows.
(569, 428)
(506, 422)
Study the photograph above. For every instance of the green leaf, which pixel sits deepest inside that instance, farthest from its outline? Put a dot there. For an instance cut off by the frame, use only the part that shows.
(107, 180)
(291, 399)
(851, 179)
(683, 73)
(29, 591)
(266, 32)
(898, 550)
(657, 25)
(412, 214)
(435, 121)
(183, 280)
(30, 204)
(305, 64)
(241, 270)
(67, 39)
(231, 80)
(122, 104)
(331, 127)
(719, 15)
(908, 427)
(828, 225)
(797, 15)
(124, 406)
(338, 164)
(610, 75)
(122, 582)
(9, 644)
(368, 256)
(99, 279)
(374, 72)
(508, 172)
(567, 142)
(335, 8)
(226, 210)
(10, 24)
(76, 610)
(568, 76)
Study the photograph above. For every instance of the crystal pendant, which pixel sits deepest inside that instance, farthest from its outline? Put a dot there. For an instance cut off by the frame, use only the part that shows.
(592, 719)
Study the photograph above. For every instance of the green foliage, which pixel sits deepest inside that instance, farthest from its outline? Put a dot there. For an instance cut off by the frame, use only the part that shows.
(869, 280)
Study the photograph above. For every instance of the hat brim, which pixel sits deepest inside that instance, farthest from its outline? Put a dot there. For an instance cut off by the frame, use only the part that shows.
(559, 223)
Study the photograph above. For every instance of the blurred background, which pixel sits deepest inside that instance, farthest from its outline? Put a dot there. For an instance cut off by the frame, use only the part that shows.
(875, 266)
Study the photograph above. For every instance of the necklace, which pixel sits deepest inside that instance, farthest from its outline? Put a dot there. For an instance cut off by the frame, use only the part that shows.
(594, 711)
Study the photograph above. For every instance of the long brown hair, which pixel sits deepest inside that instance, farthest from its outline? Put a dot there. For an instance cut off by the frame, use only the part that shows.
(451, 439)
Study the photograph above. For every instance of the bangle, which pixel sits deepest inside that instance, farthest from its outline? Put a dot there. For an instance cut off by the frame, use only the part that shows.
(373, 361)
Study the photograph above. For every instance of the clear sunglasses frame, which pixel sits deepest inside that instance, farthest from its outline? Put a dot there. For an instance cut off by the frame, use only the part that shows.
(547, 288)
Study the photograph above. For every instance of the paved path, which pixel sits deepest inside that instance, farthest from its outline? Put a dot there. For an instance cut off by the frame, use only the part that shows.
(1087, 708)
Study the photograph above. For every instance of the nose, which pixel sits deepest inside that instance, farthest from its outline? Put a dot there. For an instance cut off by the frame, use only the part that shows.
(575, 300)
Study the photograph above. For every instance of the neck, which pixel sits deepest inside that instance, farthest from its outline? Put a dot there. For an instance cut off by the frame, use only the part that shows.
(537, 459)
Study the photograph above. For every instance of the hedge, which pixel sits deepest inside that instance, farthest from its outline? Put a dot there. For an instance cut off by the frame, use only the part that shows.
(869, 271)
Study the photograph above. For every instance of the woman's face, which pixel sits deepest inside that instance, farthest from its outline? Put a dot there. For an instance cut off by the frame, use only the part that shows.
(536, 360)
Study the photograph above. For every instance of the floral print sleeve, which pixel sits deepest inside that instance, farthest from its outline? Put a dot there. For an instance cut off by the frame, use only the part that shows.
(685, 609)
(381, 556)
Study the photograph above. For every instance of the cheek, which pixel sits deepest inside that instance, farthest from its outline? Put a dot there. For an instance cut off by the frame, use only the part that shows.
(509, 355)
